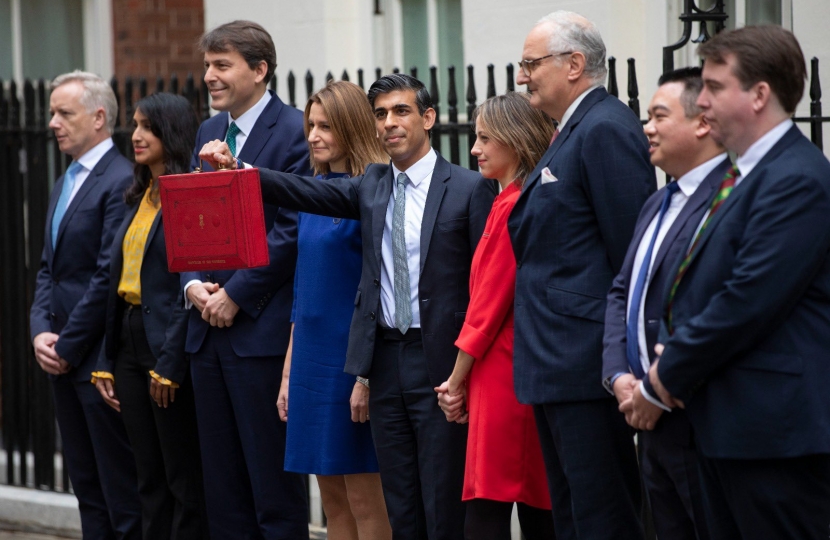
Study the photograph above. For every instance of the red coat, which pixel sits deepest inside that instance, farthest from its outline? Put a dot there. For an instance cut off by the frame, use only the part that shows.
(504, 457)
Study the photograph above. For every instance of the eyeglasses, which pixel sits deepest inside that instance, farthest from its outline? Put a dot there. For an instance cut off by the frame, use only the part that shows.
(527, 66)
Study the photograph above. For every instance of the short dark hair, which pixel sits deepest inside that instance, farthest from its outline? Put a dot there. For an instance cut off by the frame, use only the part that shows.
(247, 38)
(399, 81)
(174, 122)
(692, 81)
(765, 53)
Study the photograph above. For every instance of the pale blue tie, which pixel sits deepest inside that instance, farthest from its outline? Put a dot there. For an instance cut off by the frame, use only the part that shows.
(63, 200)
(403, 308)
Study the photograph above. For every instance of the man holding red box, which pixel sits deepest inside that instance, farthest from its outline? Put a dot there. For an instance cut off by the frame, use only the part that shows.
(239, 327)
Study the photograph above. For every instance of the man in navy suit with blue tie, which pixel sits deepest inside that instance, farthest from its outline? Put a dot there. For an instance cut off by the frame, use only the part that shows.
(681, 145)
(747, 311)
(69, 307)
(570, 230)
(239, 325)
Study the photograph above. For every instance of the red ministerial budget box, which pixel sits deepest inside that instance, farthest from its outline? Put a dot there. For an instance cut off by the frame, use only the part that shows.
(213, 220)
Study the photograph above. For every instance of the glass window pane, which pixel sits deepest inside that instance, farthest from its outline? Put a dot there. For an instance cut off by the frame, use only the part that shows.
(6, 67)
(763, 12)
(415, 38)
(451, 50)
(53, 37)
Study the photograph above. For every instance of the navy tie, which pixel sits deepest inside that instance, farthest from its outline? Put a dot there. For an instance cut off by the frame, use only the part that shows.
(632, 339)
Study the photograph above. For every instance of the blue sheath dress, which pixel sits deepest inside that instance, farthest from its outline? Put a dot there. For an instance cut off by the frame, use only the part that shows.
(322, 439)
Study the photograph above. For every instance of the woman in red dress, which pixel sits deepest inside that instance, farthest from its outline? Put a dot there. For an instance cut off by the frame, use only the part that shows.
(504, 458)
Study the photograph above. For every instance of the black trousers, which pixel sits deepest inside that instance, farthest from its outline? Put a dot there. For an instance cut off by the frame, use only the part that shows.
(671, 474)
(593, 476)
(768, 499)
(490, 520)
(165, 442)
(421, 455)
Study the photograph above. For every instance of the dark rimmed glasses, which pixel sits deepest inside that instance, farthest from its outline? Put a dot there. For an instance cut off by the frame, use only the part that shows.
(527, 66)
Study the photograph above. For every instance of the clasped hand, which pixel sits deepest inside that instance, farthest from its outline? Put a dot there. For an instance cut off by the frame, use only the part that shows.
(452, 398)
(213, 302)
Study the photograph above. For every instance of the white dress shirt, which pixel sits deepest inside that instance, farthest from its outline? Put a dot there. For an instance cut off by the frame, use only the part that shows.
(246, 120)
(688, 184)
(88, 161)
(420, 177)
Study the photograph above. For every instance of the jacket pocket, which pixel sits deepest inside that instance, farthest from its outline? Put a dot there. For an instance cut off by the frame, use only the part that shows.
(357, 298)
(574, 304)
(460, 317)
(770, 361)
(452, 224)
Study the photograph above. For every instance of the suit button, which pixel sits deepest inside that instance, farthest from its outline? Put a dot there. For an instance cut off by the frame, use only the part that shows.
(518, 265)
(147, 309)
(53, 315)
(208, 277)
(376, 282)
(55, 281)
(372, 315)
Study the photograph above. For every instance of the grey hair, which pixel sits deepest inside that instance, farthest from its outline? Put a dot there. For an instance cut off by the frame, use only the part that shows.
(573, 32)
(97, 93)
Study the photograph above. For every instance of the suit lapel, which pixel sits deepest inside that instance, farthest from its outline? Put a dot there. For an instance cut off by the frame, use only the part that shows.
(53, 202)
(88, 185)
(593, 97)
(262, 130)
(153, 229)
(382, 194)
(437, 187)
(117, 261)
(699, 199)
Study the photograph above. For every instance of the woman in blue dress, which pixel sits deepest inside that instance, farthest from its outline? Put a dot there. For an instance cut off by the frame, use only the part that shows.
(328, 430)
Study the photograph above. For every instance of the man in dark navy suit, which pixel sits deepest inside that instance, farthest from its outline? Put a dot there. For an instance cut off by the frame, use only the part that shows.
(570, 230)
(421, 219)
(680, 144)
(747, 312)
(239, 325)
(69, 307)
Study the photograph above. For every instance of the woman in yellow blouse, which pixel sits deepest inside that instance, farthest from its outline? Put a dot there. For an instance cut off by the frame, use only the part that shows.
(143, 371)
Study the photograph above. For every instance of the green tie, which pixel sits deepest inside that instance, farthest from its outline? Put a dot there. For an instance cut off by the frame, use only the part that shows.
(230, 137)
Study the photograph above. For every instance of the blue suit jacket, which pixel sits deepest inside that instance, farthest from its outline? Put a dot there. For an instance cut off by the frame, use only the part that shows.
(165, 319)
(73, 280)
(570, 237)
(673, 246)
(264, 295)
(750, 353)
(456, 210)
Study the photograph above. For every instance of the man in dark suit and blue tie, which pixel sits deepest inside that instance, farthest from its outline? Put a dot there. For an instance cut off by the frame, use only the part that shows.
(570, 230)
(421, 219)
(239, 326)
(680, 144)
(69, 307)
(747, 316)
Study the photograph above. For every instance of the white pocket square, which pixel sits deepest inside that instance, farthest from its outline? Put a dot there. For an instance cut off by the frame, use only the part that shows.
(547, 176)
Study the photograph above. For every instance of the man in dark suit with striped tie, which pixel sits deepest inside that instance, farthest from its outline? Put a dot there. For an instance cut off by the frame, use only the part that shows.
(747, 313)
(240, 323)
(680, 144)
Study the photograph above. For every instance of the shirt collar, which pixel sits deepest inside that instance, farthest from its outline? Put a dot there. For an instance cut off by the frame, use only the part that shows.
(759, 148)
(690, 181)
(89, 160)
(246, 120)
(420, 170)
(572, 108)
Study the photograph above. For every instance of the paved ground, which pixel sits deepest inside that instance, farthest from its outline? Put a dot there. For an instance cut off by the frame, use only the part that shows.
(316, 534)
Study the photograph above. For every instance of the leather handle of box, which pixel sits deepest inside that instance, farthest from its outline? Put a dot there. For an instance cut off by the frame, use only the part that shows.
(198, 169)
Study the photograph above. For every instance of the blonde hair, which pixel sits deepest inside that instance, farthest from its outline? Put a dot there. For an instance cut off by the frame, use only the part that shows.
(352, 126)
(512, 122)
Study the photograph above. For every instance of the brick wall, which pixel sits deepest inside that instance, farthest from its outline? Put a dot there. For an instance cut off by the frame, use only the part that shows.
(157, 37)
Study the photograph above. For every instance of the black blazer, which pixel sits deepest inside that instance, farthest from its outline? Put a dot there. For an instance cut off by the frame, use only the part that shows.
(73, 280)
(457, 206)
(570, 237)
(674, 246)
(750, 353)
(162, 306)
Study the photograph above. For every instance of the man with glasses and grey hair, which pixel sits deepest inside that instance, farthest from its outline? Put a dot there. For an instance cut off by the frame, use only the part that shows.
(570, 230)
(69, 307)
